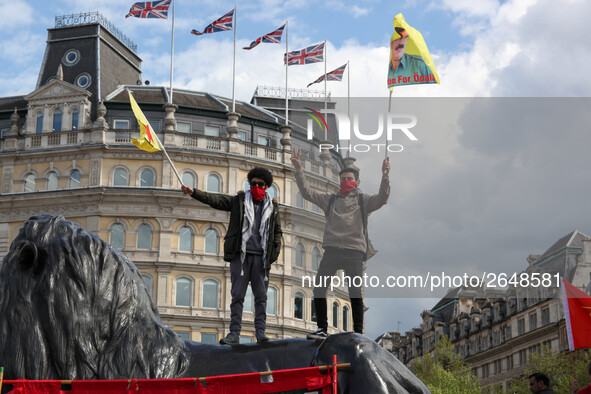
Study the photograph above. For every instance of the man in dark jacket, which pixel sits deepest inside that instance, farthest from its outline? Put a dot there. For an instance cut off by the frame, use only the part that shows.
(252, 243)
(345, 241)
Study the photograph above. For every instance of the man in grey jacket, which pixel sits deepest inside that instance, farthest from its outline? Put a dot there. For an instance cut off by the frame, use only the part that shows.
(345, 243)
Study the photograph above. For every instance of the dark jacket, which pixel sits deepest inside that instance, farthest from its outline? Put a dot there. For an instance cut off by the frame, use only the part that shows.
(233, 238)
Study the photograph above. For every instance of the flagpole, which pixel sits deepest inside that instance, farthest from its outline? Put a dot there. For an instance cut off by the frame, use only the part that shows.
(286, 68)
(389, 105)
(348, 105)
(234, 63)
(325, 98)
(171, 55)
(168, 157)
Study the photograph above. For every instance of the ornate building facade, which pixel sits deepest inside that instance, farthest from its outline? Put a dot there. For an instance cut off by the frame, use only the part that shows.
(65, 149)
(497, 330)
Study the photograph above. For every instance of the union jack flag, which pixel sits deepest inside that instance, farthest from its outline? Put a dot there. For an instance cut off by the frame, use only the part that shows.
(150, 9)
(309, 55)
(274, 38)
(334, 75)
(222, 24)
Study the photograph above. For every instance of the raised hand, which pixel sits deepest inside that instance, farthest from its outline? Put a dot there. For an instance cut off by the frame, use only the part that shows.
(386, 167)
(295, 159)
(187, 190)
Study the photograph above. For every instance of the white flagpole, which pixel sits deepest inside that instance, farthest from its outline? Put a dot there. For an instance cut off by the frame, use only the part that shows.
(234, 63)
(325, 98)
(171, 57)
(286, 68)
(349, 105)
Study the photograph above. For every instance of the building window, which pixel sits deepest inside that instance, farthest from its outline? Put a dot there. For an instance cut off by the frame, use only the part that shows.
(121, 124)
(71, 57)
(213, 183)
(183, 292)
(212, 131)
(245, 339)
(209, 338)
(183, 127)
(335, 314)
(312, 309)
(316, 256)
(75, 119)
(545, 316)
(523, 357)
(83, 80)
(520, 326)
(39, 123)
(265, 141)
(144, 237)
(299, 200)
(533, 321)
(509, 362)
(210, 294)
(185, 335)
(148, 283)
(51, 183)
(298, 306)
(74, 180)
(147, 178)
(185, 239)
(272, 191)
(29, 183)
(345, 318)
(117, 236)
(211, 242)
(57, 120)
(300, 252)
(188, 179)
(271, 301)
(247, 306)
(241, 135)
(120, 177)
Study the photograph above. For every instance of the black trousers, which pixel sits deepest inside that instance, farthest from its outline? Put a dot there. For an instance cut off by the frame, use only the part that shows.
(334, 259)
(254, 272)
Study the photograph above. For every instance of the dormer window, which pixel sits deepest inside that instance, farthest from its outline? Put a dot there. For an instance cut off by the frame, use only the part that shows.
(83, 80)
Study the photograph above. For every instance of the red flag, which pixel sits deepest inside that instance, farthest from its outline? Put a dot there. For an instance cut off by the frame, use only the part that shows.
(577, 313)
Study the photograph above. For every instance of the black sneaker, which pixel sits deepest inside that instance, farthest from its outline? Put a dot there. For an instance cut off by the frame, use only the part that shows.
(318, 334)
(231, 339)
(261, 337)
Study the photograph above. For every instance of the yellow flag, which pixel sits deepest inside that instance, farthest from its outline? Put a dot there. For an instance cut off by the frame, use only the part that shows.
(147, 140)
(410, 60)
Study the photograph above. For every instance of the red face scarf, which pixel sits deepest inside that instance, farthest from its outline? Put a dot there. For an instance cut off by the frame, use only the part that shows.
(347, 186)
(258, 193)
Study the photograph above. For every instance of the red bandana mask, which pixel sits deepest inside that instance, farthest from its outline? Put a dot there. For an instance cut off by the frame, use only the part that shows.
(347, 186)
(258, 193)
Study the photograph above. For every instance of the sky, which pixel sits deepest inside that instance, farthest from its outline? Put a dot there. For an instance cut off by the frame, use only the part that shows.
(487, 183)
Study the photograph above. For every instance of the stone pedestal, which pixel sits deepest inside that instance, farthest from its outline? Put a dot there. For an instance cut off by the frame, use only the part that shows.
(169, 119)
(286, 143)
(232, 129)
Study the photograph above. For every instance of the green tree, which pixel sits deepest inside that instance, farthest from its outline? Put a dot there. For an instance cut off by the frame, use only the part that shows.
(445, 372)
(558, 367)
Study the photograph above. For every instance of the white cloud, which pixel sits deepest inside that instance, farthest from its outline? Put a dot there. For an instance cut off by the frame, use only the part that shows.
(17, 13)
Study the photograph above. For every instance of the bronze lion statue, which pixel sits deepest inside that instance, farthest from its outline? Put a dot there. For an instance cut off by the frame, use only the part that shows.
(73, 307)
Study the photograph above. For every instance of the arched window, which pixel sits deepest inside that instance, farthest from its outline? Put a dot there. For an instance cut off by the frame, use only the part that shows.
(315, 258)
(312, 310)
(117, 236)
(210, 294)
(300, 253)
(188, 179)
(120, 177)
(29, 183)
(51, 183)
(75, 119)
(271, 301)
(74, 180)
(185, 239)
(57, 120)
(213, 183)
(144, 237)
(345, 318)
(147, 178)
(184, 289)
(335, 314)
(298, 305)
(272, 192)
(148, 282)
(248, 300)
(39, 123)
(211, 241)
(299, 200)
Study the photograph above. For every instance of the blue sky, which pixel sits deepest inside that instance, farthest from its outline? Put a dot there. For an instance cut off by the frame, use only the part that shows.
(474, 183)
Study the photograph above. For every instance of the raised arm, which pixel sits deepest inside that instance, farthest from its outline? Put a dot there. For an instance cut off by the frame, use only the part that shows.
(320, 199)
(222, 202)
(376, 201)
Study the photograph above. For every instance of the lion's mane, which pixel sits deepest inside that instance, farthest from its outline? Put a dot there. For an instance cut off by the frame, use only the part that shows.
(73, 307)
